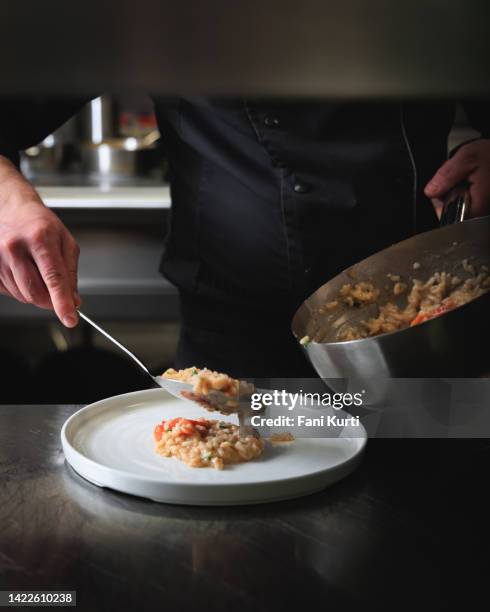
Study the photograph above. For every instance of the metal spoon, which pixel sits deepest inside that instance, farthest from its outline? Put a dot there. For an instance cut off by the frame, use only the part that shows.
(155, 379)
(215, 402)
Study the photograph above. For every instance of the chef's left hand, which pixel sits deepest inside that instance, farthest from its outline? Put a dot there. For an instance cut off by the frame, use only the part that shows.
(471, 163)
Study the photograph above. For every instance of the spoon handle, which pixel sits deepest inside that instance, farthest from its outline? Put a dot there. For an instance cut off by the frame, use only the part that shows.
(107, 335)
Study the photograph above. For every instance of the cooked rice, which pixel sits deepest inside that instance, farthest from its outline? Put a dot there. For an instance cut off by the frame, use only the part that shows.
(441, 293)
(205, 443)
(281, 438)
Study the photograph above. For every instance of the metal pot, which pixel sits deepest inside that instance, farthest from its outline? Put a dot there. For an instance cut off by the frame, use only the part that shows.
(48, 157)
(121, 157)
(455, 344)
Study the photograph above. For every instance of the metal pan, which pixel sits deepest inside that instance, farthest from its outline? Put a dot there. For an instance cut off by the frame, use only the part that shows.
(455, 344)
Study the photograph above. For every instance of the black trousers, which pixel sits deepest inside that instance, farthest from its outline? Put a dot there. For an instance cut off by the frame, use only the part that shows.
(243, 340)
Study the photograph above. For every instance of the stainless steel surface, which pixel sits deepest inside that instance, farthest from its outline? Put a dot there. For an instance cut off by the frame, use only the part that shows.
(124, 157)
(440, 347)
(379, 533)
(45, 158)
(122, 347)
(280, 47)
(456, 205)
(97, 120)
(52, 156)
(149, 195)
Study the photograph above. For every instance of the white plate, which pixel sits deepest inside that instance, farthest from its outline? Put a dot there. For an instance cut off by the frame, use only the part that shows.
(110, 443)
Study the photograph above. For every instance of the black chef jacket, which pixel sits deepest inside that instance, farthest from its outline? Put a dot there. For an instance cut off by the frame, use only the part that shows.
(269, 200)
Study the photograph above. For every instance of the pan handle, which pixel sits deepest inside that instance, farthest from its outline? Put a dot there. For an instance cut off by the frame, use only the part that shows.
(456, 205)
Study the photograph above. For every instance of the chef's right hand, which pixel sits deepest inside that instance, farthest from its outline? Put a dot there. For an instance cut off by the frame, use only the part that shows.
(38, 255)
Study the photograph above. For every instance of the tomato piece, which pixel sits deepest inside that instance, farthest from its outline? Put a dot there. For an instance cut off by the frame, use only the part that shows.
(171, 424)
(187, 430)
(201, 422)
(158, 432)
(432, 314)
(420, 318)
(186, 426)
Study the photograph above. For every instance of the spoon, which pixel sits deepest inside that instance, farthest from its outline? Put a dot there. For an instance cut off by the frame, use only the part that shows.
(157, 381)
(215, 401)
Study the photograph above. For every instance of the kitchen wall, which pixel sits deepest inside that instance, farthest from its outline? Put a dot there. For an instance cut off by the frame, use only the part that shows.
(120, 218)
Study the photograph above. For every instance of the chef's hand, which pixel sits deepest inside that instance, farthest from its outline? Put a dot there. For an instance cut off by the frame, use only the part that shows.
(38, 255)
(470, 163)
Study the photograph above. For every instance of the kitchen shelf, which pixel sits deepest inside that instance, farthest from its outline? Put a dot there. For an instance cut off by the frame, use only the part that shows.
(110, 197)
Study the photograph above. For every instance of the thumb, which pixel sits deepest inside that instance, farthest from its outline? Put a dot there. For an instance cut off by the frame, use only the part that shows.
(452, 172)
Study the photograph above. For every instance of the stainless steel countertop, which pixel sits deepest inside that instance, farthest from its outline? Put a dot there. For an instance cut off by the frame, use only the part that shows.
(410, 525)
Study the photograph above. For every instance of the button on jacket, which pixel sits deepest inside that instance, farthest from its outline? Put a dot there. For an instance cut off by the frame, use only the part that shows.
(271, 199)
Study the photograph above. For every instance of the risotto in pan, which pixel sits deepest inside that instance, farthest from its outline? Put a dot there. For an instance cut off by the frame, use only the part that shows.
(441, 293)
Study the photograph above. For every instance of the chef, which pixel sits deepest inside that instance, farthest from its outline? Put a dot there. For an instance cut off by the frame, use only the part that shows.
(270, 199)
